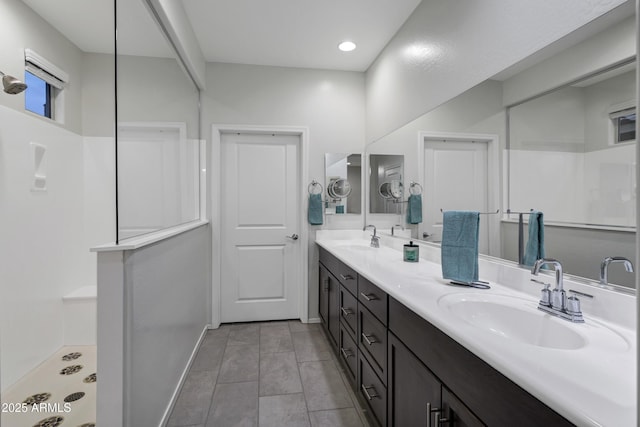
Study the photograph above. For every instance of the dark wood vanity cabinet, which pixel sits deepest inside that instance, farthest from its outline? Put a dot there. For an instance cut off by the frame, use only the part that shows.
(416, 397)
(407, 371)
(473, 391)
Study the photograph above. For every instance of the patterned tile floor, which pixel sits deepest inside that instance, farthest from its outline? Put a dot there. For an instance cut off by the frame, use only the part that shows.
(59, 392)
(280, 374)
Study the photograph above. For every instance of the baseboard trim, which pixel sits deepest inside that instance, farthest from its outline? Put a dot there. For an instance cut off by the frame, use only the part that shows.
(183, 377)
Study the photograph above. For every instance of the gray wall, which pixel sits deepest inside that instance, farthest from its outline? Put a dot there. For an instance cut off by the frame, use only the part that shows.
(21, 28)
(167, 286)
(579, 250)
(329, 103)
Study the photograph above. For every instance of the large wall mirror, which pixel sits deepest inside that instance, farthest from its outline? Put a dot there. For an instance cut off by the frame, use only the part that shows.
(567, 150)
(571, 152)
(158, 128)
(343, 183)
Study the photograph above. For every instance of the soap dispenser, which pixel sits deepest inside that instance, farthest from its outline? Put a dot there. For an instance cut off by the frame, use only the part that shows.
(411, 252)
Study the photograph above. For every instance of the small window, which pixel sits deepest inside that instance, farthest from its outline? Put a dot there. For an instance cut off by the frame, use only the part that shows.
(38, 97)
(45, 84)
(624, 125)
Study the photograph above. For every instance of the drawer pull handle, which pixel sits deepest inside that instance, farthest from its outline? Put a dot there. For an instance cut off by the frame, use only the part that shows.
(326, 285)
(430, 412)
(370, 339)
(366, 389)
(347, 277)
(345, 354)
(436, 411)
(346, 311)
(369, 297)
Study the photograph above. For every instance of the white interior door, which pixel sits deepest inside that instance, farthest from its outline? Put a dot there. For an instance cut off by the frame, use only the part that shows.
(455, 179)
(260, 269)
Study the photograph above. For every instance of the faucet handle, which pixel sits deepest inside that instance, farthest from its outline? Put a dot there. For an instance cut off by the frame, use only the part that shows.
(573, 305)
(545, 293)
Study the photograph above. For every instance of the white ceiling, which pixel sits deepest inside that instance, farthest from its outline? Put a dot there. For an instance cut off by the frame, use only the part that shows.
(288, 33)
(89, 24)
(296, 33)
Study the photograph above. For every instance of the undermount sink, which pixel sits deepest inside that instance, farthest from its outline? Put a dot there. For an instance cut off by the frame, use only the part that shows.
(515, 319)
(357, 245)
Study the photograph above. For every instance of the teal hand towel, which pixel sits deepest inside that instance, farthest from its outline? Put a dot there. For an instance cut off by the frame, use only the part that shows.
(414, 209)
(315, 209)
(460, 245)
(535, 245)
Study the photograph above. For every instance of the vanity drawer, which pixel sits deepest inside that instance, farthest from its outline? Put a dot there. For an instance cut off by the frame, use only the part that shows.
(372, 340)
(373, 391)
(345, 274)
(374, 298)
(348, 311)
(348, 353)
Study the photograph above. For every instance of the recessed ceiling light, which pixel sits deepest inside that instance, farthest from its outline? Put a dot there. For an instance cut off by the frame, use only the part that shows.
(347, 46)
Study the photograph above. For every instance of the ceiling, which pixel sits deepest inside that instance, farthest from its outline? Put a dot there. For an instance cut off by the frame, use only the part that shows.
(296, 33)
(288, 33)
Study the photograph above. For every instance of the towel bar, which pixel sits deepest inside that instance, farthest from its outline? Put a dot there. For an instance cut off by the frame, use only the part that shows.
(483, 213)
(520, 234)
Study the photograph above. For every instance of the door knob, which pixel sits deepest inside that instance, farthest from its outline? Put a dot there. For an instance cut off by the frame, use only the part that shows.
(294, 236)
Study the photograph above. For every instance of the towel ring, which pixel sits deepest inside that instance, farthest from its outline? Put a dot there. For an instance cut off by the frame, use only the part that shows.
(415, 188)
(315, 187)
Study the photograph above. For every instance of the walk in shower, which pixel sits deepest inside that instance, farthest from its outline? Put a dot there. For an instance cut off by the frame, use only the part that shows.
(86, 174)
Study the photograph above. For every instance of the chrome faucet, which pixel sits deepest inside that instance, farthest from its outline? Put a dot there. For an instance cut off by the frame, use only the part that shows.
(397, 225)
(604, 267)
(556, 302)
(375, 240)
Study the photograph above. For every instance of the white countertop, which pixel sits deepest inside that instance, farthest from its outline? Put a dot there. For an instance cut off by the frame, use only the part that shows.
(590, 386)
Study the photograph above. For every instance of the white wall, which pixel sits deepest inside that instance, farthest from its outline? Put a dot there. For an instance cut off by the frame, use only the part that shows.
(175, 20)
(478, 110)
(610, 47)
(329, 103)
(156, 90)
(44, 247)
(21, 28)
(445, 48)
(43, 250)
(562, 141)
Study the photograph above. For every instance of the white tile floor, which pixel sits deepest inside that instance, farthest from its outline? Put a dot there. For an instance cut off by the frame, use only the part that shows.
(53, 386)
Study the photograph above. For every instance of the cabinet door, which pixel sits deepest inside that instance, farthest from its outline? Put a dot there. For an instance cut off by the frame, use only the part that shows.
(334, 309)
(456, 413)
(411, 386)
(324, 296)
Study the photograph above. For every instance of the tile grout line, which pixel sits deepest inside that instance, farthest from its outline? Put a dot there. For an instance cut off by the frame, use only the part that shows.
(206, 418)
(259, 378)
(304, 395)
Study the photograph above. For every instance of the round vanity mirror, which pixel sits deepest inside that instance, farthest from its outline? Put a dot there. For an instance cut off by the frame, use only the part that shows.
(338, 189)
(391, 189)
